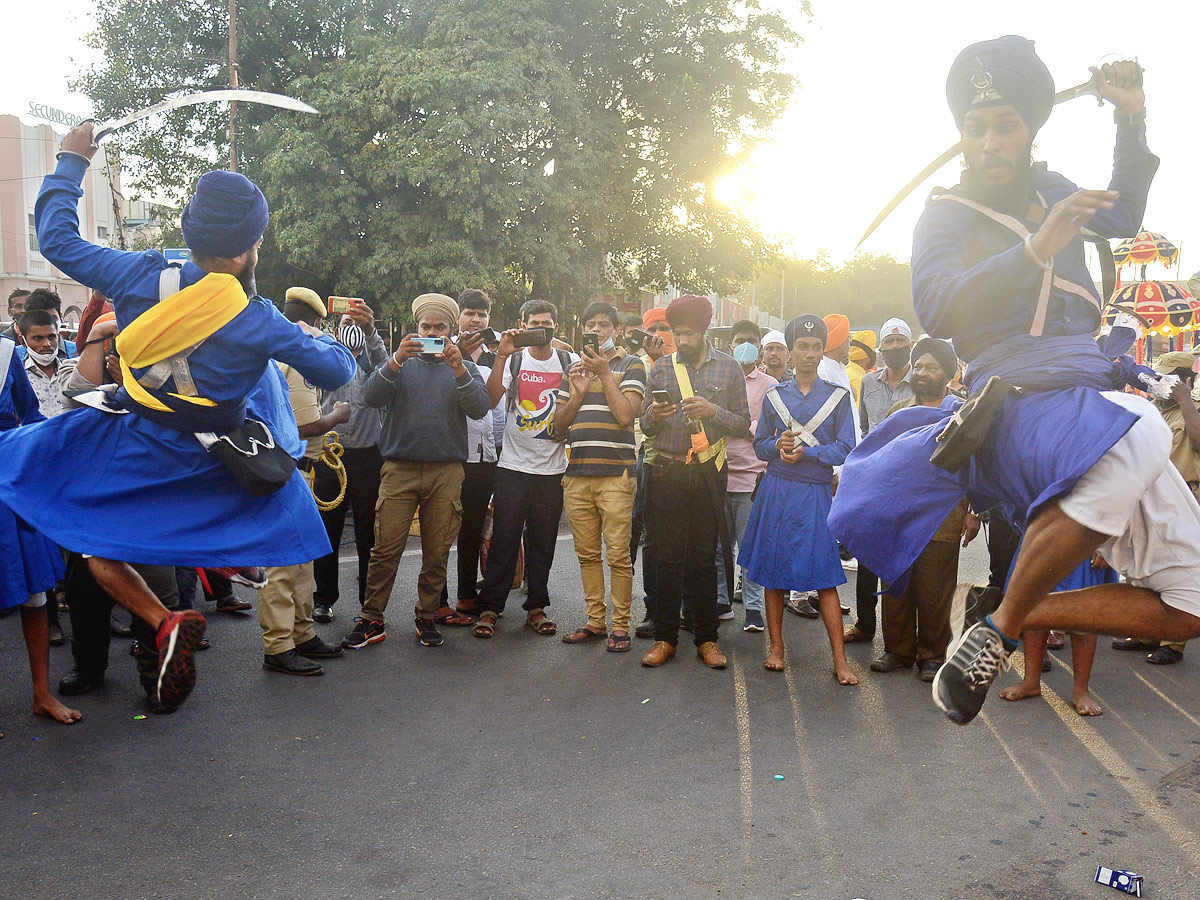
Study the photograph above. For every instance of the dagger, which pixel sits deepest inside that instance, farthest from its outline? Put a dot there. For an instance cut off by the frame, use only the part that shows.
(264, 98)
(1091, 86)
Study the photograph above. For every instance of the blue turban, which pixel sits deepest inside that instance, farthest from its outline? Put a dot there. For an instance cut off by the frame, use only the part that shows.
(226, 216)
(1002, 72)
(805, 326)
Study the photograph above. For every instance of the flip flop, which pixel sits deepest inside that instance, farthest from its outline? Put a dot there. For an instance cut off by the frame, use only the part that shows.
(619, 643)
(453, 618)
(582, 636)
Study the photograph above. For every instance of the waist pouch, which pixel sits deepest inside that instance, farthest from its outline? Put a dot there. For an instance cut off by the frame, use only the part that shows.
(249, 452)
(968, 428)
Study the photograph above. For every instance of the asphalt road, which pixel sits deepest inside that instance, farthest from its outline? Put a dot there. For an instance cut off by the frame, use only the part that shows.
(524, 768)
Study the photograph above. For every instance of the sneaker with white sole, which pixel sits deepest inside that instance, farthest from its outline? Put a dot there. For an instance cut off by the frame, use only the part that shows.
(970, 605)
(972, 663)
(754, 621)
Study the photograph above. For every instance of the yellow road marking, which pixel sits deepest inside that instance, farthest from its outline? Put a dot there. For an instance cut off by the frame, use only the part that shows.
(744, 763)
(822, 830)
(1012, 758)
(1179, 709)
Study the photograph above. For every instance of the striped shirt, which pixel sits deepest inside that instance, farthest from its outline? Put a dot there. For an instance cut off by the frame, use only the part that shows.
(599, 446)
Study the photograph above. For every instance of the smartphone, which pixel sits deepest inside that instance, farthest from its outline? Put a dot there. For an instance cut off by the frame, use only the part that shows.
(490, 336)
(339, 306)
(431, 346)
(638, 339)
(661, 397)
(532, 337)
(592, 342)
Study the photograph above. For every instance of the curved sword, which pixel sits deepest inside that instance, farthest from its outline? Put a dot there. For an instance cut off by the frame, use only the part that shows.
(1088, 87)
(264, 98)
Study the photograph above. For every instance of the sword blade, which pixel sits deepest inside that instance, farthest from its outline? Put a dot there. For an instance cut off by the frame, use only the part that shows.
(1088, 87)
(264, 98)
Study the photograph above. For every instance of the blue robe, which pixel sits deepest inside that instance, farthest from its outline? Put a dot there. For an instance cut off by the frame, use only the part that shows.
(29, 563)
(788, 544)
(128, 488)
(973, 283)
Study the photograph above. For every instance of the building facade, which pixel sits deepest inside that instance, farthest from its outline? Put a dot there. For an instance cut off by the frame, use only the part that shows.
(26, 157)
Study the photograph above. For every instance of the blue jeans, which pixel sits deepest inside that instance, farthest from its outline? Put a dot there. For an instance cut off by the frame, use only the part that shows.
(737, 507)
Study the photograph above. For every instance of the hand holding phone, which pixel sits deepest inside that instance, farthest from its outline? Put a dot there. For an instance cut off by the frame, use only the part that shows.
(591, 342)
(662, 407)
(339, 306)
(637, 340)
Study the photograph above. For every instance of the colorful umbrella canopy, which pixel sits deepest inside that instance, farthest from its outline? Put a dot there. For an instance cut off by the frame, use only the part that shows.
(1161, 306)
(1145, 248)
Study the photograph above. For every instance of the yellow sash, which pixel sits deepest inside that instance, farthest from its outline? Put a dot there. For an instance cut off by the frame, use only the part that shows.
(173, 325)
(701, 449)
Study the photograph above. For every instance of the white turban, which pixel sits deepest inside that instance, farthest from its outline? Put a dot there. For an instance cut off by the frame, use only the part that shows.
(774, 337)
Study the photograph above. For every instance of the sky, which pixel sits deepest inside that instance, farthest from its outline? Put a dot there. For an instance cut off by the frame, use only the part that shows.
(869, 111)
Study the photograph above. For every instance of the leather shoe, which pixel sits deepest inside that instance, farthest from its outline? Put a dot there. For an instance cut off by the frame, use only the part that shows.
(645, 630)
(315, 648)
(75, 683)
(659, 654)
(56, 635)
(1164, 656)
(322, 612)
(712, 655)
(289, 662)
(800, 607)
(119, 629)
(890, 662)
(928, 668)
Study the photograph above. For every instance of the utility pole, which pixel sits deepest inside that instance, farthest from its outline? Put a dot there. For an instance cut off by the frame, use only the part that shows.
(782, 280)
(233, 82)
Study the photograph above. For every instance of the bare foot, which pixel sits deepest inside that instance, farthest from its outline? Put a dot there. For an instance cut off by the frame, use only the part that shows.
(843, 673)
(775, 660)
(52, 709)
(1023, 690)
(1086, 705)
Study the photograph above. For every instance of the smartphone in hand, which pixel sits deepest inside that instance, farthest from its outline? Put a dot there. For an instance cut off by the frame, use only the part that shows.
(637, 340)
(491, 337)
(339, 306)
(431, 346)
(532, 337)
(591, 342)
(661, 397)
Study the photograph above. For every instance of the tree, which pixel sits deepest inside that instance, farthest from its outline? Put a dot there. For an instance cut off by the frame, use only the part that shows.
(533, 147)
(868, 288)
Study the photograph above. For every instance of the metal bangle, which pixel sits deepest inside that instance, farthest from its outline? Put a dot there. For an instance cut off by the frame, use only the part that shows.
(61, 153)
(1032, 254)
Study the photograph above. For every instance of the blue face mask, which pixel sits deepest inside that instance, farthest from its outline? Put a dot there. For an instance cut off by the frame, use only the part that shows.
(608, 346)
(745, 353)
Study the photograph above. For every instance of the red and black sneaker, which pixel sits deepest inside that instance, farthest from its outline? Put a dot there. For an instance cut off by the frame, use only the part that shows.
(178, 638)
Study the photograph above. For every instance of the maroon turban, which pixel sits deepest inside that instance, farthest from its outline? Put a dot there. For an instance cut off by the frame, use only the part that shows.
(689, 310)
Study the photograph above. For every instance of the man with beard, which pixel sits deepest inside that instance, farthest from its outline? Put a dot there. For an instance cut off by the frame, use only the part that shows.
(775, 355)
(998, 266)
(916, 622)
(195, 342)
(705, 404)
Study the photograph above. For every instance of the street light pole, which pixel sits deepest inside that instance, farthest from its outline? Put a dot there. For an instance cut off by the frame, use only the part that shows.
(233, 81)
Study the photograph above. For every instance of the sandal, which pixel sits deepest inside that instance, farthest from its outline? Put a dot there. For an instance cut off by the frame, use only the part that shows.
(486, 626)
(538, 622)
(581, 635)
(448, 616)
(854, 636)
(619, 643)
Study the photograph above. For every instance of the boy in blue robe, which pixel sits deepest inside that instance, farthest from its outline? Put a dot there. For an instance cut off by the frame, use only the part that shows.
(806, 428)
(998, 266)
(132, 480)
(31, 563)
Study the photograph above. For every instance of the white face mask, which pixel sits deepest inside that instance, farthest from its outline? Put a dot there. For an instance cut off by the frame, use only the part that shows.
(42, 359)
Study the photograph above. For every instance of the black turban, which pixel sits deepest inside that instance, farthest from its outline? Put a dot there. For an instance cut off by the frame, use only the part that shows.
(805, 326)
(939, 350)
(1001, 72)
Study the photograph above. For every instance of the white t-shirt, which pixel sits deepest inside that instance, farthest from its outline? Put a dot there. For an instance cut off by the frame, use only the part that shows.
(528, 446)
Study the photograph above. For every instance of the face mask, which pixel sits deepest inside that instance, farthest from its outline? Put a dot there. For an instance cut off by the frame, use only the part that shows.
(896, 358)
(745, 353)
(352, 338)
(42, 359)
(608, 346)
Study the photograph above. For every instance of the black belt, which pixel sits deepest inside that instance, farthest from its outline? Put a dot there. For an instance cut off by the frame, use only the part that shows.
(306, 464)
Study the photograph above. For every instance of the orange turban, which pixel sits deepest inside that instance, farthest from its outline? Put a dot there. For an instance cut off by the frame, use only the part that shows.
(654, 315)
(839, 330)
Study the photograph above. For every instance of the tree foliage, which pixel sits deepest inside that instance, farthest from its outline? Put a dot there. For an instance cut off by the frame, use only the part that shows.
(532, 147)
(868, 288)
